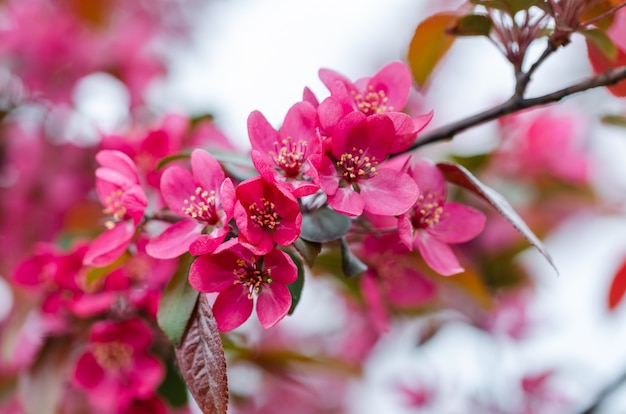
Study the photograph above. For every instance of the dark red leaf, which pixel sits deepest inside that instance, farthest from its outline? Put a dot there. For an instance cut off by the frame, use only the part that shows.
(458, 175)
(202, 361)
(618, 287)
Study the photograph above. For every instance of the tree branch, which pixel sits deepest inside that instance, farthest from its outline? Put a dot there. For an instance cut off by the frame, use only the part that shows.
(517, 103)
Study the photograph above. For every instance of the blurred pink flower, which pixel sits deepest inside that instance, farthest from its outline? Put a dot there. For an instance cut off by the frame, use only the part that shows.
(239, 275)
(282, 156)
(117, 367)
(204, 199)
(433, 223)
(544, 143)
(124, 200)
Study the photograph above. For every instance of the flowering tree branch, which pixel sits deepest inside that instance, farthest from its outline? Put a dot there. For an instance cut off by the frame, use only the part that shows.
(517, 103)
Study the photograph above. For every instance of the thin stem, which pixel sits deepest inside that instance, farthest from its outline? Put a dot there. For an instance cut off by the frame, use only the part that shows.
(518, 103)
(605, 393)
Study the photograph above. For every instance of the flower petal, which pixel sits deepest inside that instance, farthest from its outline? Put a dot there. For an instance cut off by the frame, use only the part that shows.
(206, 170)
(213, 272)
(273, 304)
(109, 245)
(282, 269)
(389, 193)
(177, 185)
(262, 135)
(347, 201)
(459, 223)
(232, 308)
(437, 254)
(175, 240)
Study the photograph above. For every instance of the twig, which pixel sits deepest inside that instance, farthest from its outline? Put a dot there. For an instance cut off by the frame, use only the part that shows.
(518, 103)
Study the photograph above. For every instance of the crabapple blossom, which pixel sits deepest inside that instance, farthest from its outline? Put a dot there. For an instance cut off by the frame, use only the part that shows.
(117, 367)
(353, 174)
(124, 200)
(240, 275)
(433, 223)
(386, 93)
(266, 214)
(204, 199)
(282, 156)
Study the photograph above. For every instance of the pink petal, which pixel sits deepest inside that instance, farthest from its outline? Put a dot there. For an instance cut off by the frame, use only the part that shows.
(88, 373)
(232, 308)
(177, 185)
(135, 202)
(227, 198)
(262, 135)
(205, 243)
(213, 272)
(410, 288)
(347, 201)
(406, 232)
(206, 170)
(331, 79)
(459, 223)
(120, 162)
(110, 245)
(375, 303)
(389, 193)
(330, 113)
(146, 374)
(301, 124)
(273, 304)
(438, 255)
(282, 269)
(428, 178)
(395, 80)
(175, 240)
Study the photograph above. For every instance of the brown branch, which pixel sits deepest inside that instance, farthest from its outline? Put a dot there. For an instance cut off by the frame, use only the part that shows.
(515, 104)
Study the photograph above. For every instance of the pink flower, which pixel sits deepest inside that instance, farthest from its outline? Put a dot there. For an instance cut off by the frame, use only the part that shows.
(544, 144)
(117, 367)
(391, 279)
(265, 214)
(350, 174)
(281, 157)
(239, 275)
(386, 93)
(203, 198)
(124, 200)
(433, 223)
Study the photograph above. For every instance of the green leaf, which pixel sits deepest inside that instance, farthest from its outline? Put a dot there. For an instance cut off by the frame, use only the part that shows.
(308, 250)
(295, 288)
(350, 264)
(177, 303)
(458, 175)
(430, 43)
(602, 42)
(614, 120)
(472, 25)
(324, 225)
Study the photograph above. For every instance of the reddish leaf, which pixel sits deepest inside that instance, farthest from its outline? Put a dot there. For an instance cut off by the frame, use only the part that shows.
(430, 43)
(472, 25)
(601, 63)
(202, 361)
(618, 287)
(458, 175)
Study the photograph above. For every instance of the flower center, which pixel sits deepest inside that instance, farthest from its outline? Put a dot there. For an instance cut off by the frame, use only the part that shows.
(355, 166)
(113, 205)
(370, 102)
(252, 276)
(265, 216)
(112, 356)
(201, 206)
(289, 156)
(427, 212)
